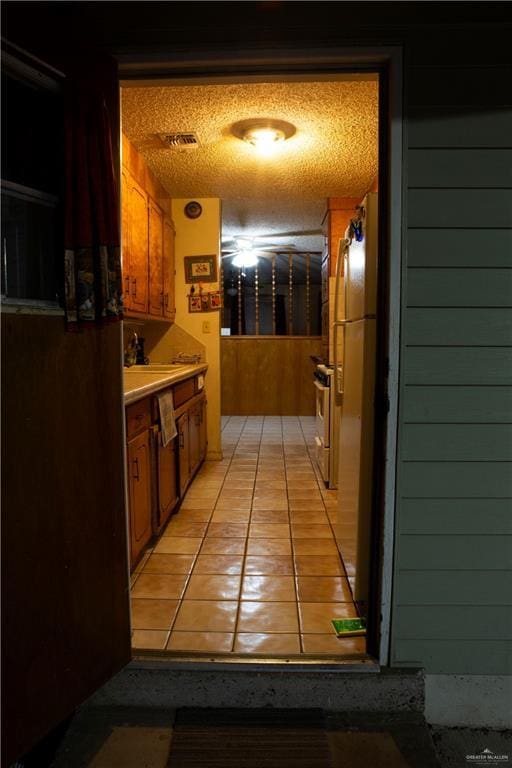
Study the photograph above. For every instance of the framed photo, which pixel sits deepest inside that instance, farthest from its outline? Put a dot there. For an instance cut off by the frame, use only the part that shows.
(200, 269)
(194, 303)
(215, 300)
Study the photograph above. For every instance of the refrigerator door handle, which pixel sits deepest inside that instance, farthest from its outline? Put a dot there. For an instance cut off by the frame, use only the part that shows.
(338, 369)
(338, 373)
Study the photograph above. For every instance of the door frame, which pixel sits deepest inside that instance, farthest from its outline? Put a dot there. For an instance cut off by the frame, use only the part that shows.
(200, 67)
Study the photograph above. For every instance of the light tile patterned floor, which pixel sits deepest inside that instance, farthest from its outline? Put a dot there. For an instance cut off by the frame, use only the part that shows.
(249, 565)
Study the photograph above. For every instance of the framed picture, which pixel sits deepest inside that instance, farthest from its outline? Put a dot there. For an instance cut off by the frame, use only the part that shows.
(215, 301)
(194, 303)
(200, 269)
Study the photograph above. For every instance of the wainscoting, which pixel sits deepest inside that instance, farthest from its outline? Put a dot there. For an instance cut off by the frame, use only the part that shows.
(268, 375)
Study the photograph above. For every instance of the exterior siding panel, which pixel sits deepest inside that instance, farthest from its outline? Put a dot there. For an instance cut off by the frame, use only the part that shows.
(452, 588)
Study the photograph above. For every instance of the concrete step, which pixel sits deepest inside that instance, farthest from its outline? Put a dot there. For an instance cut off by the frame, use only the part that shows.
(352, 688)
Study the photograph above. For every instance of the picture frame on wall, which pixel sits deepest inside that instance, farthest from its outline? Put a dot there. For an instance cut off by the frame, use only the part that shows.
(215, 300)
(201, 269)
(194, 303)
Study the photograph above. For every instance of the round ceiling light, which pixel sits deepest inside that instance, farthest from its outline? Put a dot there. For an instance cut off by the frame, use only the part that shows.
(264, 134)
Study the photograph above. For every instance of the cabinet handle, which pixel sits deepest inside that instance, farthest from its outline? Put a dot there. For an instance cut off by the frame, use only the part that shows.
(166, 300)
(136, 463)
(134, 283)
(197, 420)
(127, 278)
(182, 440)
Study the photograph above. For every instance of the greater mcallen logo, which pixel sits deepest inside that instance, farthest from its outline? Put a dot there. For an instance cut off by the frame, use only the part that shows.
(486, 756)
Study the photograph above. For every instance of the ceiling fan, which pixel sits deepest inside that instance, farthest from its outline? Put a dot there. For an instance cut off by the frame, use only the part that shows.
(245, 251)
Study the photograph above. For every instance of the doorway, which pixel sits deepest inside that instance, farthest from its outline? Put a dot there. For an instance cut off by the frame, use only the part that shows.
(244, 461)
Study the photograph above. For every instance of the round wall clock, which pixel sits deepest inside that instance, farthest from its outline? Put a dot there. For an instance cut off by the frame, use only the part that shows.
(193, 210)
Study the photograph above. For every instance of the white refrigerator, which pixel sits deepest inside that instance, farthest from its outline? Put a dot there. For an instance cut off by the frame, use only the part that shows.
(355, 345)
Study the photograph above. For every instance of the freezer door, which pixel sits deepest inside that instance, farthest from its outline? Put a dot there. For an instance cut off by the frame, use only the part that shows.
(361, 267)
(356, 452)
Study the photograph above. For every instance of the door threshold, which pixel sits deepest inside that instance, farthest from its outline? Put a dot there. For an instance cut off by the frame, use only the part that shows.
(199, 660)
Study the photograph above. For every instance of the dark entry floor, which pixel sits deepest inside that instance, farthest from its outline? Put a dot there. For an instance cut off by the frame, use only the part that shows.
(248, 738)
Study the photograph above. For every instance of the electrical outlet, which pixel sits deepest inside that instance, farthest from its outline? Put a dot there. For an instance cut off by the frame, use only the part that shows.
(207, 326)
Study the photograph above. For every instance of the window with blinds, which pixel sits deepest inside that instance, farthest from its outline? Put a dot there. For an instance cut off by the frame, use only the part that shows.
(280, 296)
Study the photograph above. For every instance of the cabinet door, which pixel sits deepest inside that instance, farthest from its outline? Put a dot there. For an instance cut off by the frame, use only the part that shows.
(138, 248)
(203, 441)
(194, 438)
(139, 494)
(155, 215)
(168, 268)
(167, 480)
(126, 228)
(183, 447)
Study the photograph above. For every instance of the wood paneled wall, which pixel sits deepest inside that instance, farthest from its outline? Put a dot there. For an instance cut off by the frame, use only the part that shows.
(268, 375)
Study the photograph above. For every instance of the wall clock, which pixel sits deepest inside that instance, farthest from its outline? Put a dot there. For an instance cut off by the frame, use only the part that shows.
(193, 209)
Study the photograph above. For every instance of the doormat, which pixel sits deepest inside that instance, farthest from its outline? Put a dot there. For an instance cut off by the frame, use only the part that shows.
(249, 738)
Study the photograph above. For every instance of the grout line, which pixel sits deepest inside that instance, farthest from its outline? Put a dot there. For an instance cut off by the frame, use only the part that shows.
(292, 546)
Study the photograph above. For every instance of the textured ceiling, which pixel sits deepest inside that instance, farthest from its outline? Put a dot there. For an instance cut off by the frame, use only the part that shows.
(332, 154)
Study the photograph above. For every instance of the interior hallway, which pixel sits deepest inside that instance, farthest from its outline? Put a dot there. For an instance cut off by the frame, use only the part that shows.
(249, 565)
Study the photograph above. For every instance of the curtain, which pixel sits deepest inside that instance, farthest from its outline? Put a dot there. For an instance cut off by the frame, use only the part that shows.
(92, 265)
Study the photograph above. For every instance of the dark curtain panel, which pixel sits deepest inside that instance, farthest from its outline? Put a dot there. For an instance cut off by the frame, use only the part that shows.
(92, 266)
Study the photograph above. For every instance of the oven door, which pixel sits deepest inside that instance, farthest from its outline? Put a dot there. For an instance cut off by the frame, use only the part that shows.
(322, 409)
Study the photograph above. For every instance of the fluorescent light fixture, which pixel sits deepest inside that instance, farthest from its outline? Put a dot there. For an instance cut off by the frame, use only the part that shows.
(265, 134)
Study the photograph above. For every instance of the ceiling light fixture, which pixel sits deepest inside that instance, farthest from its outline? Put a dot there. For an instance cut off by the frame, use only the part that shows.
(263, 133)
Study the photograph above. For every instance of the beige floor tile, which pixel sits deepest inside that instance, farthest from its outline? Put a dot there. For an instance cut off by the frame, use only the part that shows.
(269, 531)
(219, 564)
(304, 494)
(153, 614)
(316, 617)
(231, 516)
(227, 530)
(269, 516)
(264, 566)
(271, 485)
(235, 493)
(268, 617)
(270, 547)
(318, 565)
(174, 545)
(223, 546)
(240, 484)
(250, 642)
(307, 506)
(207, 504)
(181, 527)
(268, 588)
(159, 585)
(311, 531)
(195, 515)
(171, 564)
(214, 642)
(315, 547)
(149, 639)
(270, 504)
(298, 484)
(201, 493)
(206, 616)
(323, 589)
(233, 505)
(212, 587)
(330, 644)
(308, 518)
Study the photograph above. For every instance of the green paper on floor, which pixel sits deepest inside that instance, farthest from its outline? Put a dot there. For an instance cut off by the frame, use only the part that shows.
(349, 627)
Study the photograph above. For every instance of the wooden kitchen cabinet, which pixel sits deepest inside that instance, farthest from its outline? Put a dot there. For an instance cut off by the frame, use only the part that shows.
(155, 258)
(137, 262)
(167, 480)
(194, 426)
(168, 269)
(182, 425)
(139, 490)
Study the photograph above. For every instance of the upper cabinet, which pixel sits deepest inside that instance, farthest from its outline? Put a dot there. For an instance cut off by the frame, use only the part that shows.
(148, 241)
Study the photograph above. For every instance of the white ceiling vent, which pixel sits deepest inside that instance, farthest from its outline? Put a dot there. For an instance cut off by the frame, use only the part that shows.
(180, 140)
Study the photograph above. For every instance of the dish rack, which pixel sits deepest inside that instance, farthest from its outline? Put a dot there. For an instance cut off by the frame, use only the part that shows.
(183, 357)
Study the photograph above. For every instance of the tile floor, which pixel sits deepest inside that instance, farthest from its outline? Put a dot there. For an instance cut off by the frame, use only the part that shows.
(249, 564)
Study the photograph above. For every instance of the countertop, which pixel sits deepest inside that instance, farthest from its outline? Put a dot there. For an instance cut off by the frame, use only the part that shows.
(137, 384)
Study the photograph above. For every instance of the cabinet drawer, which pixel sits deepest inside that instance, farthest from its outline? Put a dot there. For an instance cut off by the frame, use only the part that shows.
(137, 417)
(183, 392)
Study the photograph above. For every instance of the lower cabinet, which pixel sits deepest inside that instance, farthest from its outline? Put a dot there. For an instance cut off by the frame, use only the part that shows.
(159, 476)
(167, 480)
(182, 425)
(139, 488)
